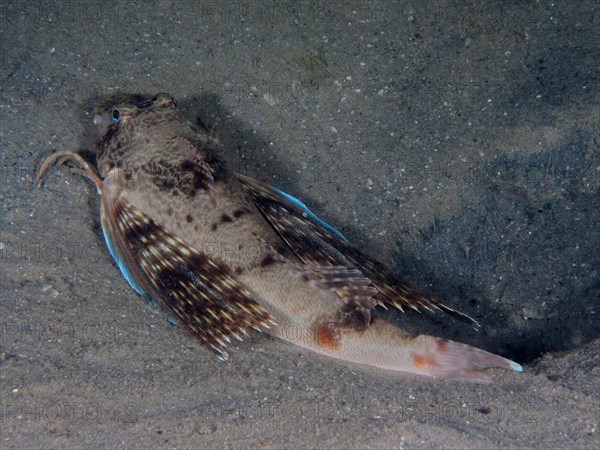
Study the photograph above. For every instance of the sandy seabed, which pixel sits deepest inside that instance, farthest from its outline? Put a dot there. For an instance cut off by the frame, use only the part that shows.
(456, 141)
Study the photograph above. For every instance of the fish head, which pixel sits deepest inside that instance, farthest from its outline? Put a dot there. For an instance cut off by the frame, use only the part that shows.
(124, 122)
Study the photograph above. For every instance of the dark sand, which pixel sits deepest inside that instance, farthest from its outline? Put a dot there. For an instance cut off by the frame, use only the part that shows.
(457, 141)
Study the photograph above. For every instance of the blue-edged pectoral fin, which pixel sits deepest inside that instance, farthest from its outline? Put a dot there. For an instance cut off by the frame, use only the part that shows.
(198, 292)
(316, 242)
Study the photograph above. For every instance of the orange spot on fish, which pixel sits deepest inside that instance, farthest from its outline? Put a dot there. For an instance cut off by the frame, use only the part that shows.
(326, 336)
(423, 362)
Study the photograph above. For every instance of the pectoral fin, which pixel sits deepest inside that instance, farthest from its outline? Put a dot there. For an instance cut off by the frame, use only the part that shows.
(316, 242)
(200, 293)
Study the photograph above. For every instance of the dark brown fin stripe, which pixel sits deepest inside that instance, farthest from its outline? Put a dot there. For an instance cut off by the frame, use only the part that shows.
(201, 293)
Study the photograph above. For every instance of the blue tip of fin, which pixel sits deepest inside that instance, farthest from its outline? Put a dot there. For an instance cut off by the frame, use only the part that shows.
(121, 264)
(308, 212)
(516, 367)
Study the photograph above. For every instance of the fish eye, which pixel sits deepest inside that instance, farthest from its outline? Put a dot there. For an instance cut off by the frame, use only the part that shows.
(115, 115)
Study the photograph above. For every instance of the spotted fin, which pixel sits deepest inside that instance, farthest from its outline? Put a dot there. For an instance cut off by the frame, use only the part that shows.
(200, 293)
(316, 242)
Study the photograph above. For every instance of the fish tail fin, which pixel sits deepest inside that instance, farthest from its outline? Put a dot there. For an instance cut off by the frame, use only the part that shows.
(386, 346)
(452, 360)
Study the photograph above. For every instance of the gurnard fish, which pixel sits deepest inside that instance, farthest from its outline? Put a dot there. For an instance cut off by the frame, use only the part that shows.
(224, 253)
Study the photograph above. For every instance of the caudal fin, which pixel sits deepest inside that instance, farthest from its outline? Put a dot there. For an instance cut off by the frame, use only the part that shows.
(386, 346)
(452, 360)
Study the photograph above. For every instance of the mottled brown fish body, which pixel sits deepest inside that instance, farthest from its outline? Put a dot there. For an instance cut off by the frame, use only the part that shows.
(224, 253)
